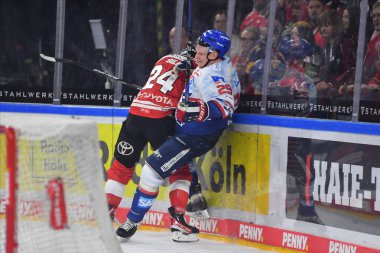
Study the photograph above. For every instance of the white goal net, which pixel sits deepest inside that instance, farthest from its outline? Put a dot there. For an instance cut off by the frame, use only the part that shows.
(56, 202)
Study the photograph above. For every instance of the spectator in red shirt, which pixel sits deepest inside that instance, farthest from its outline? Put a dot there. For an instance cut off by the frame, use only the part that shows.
(371, 70)
(371, 64)
(295, 10)
(257, 17)
(314, 9)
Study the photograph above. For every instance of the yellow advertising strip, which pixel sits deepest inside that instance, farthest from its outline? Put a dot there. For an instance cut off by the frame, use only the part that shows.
(234, 174)
(236, 177)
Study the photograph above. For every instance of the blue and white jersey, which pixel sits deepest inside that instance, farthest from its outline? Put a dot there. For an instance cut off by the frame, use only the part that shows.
(219, 86)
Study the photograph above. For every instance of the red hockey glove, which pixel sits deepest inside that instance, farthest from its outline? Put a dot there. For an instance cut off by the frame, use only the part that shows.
(195, 110)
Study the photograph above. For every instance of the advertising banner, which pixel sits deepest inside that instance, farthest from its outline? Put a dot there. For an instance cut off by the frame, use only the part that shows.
(245, 233)
(299, 184)
(235, 173)
(341, 178)
(77, 96)
(322, 108)
(229, 173)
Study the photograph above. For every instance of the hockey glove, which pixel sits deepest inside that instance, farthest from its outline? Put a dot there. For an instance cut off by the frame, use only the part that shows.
(195, 110)
(182, 66)
(189, 53)
(189, 50)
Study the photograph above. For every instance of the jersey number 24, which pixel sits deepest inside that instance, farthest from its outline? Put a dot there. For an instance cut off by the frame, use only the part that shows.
(166, 79)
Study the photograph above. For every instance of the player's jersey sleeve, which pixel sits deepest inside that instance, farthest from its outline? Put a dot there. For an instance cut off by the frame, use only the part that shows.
(214, 86)
(218, 86)
(160, 95)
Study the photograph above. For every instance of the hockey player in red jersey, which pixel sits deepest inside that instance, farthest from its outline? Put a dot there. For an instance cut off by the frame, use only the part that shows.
(150, 119)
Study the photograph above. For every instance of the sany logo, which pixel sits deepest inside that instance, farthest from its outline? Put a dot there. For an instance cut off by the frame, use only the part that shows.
(251, 233)
(336, 247)
(294, 241)
(208, 225)
(153, 218)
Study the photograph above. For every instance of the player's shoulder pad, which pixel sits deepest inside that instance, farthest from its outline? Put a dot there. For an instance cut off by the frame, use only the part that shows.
(172, 56)
(171, 59)
(179, 57)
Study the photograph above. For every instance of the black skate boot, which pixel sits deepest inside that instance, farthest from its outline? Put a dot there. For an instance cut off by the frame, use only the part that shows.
(197, 206)
(308, 214)
(182, 232)
(127, 230)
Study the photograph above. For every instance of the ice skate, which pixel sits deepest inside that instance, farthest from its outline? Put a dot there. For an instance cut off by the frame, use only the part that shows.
(312, 219)
(127, 230)
(308, 214)
(197, 206)
(181, 231)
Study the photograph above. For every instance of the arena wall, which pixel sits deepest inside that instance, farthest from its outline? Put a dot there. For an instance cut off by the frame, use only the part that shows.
(250, 187)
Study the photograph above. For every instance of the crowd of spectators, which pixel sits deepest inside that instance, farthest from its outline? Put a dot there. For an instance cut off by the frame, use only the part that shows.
(315, 42)
(313, 39)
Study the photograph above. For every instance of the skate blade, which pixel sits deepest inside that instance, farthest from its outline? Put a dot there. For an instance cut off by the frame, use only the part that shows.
(180, 237)
(200, 215)
(122, 239)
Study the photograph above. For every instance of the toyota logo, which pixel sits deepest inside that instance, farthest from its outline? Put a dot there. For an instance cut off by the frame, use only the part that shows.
(124, 148)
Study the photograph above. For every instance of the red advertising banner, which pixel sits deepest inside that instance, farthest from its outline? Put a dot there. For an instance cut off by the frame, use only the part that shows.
(255, 233)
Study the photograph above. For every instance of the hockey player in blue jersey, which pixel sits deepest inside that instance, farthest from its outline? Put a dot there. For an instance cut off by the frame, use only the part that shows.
(214, 90)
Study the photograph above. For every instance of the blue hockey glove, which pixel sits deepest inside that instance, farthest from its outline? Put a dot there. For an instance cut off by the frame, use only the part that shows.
(182, 66)
(195, 110)
(189, 53)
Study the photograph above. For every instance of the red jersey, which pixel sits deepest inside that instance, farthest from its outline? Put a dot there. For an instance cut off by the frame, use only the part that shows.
(254, 19)
(372, 55)
(160, 95)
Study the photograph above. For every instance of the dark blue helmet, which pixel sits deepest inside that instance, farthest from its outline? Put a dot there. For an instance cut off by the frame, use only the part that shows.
(216, 40)
(276, 71)
(256, 70)
(295, 49)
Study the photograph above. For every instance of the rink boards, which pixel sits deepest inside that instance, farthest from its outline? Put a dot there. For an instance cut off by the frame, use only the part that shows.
(250, 183)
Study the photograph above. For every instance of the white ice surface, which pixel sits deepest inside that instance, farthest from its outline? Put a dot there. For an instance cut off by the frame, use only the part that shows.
(152, 242)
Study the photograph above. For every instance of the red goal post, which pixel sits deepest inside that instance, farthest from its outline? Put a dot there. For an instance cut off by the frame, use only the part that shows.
(7, 135)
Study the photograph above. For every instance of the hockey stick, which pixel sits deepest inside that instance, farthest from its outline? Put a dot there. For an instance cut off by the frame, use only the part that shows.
(97, 71)
(188, 56)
